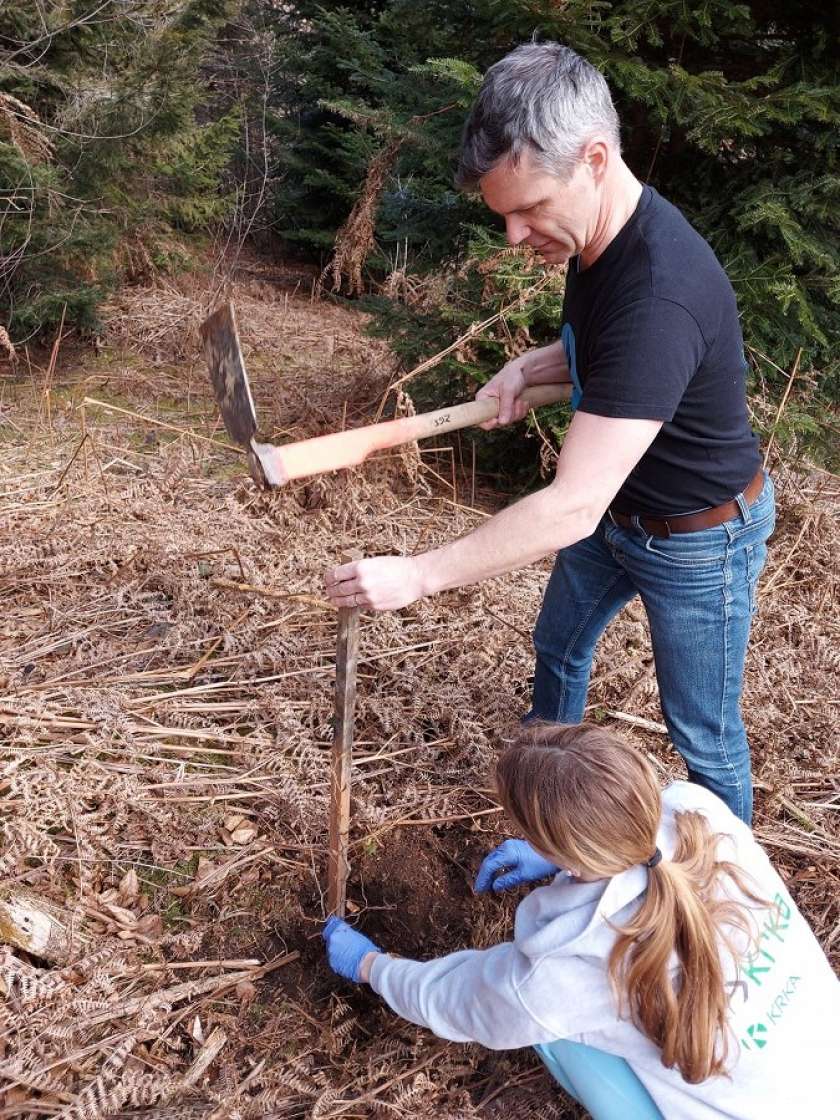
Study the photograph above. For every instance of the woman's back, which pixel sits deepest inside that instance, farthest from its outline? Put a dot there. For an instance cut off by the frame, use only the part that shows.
(552, 982)
(783, 998)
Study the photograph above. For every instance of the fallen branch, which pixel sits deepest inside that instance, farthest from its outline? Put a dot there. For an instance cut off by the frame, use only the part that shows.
(213, 1046)
(166, 966)
(637, 721)
(187, 990)
(406, 822)
(267, 593)
(188, 432)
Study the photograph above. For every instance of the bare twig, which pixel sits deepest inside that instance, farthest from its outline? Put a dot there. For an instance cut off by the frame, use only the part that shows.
(188, 432)
(781, 408)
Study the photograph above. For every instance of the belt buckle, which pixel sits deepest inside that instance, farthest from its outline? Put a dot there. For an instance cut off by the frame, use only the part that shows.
(667, 525)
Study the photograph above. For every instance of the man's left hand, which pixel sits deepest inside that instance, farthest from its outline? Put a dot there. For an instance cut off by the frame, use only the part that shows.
(379, 583)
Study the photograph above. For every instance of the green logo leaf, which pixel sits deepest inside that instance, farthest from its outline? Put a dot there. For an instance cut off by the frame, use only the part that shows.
(755, 1032)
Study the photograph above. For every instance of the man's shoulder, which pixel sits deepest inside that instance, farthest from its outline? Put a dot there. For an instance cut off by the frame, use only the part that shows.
(683, 266)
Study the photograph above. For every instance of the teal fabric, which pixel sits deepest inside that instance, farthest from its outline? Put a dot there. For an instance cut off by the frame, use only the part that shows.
(604, 1084)
(567, 337)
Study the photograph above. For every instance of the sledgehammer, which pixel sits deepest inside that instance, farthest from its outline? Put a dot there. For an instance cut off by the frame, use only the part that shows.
(271, 465)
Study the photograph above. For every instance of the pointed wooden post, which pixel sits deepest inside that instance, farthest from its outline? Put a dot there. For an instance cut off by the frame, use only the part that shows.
(347, 652)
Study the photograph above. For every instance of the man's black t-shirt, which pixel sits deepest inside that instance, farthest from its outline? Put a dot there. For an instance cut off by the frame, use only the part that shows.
(653, 329)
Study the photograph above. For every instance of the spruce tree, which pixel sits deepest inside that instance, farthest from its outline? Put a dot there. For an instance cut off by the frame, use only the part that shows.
(108, 133)
(730, 110)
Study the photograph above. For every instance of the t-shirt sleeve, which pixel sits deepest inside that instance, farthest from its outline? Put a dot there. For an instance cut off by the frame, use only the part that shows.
(641, 361)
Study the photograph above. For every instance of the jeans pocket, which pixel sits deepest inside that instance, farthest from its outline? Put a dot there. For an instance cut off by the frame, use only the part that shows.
(706, 549)
(759, 528)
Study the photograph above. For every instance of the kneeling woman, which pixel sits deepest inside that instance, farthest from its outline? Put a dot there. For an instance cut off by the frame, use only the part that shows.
(665, 972)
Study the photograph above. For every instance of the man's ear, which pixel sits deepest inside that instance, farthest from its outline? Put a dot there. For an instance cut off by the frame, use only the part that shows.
(596, 157)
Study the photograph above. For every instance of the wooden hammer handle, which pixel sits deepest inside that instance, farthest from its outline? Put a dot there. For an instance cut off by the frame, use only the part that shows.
(474, 412)
(347, 449)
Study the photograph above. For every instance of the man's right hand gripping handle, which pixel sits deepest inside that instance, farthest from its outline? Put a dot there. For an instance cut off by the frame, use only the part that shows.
(545, 365)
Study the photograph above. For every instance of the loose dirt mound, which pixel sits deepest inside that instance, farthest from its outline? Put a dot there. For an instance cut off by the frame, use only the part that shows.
(166, 663)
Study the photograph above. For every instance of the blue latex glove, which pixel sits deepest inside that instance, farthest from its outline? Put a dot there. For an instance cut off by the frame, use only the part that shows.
(520, 863)
(346, 947)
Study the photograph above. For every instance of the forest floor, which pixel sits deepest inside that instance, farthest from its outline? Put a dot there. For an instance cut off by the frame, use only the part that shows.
(166, 696)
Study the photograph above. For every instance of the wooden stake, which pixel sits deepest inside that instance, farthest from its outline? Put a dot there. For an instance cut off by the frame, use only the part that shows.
(347, 653)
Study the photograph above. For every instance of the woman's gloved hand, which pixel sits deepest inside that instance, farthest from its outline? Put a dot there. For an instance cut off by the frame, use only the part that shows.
(520, 864)
(346, 948)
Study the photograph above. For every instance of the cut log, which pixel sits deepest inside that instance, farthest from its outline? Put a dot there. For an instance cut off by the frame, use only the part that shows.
(38, 926)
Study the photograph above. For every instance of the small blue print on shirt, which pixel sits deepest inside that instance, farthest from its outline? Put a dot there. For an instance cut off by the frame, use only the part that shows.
(567, 337)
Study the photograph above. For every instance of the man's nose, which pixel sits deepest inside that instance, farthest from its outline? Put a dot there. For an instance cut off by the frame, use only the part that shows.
(516, 230)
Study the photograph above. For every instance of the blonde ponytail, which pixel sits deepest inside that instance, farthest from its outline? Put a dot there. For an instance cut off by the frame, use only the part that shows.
(589, 800)
(682, 914)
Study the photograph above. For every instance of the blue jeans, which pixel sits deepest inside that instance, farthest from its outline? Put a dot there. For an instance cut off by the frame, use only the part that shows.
(603, 1083)
(699, 592)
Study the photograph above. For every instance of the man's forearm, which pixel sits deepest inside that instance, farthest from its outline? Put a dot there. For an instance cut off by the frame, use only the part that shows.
(532, 528)
(546, 365)
(598, 454)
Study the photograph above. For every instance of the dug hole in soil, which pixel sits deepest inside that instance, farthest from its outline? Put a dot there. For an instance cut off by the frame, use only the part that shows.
(167, 728)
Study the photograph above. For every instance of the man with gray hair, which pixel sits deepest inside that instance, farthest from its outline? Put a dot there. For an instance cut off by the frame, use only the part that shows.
(658, 489)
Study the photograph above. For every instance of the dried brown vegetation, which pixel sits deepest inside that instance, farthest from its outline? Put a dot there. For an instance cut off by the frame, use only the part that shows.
(165, 704)
(355, 239)
(22, 125)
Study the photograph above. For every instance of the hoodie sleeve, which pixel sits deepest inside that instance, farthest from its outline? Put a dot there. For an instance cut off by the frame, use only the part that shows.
(469, 996)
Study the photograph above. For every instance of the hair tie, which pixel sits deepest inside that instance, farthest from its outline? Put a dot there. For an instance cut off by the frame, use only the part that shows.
(654, 859)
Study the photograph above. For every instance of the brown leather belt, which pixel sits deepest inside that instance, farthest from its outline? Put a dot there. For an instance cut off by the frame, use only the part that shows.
(691, 522)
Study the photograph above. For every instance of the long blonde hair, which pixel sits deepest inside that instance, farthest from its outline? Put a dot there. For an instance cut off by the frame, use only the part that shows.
(591, 802)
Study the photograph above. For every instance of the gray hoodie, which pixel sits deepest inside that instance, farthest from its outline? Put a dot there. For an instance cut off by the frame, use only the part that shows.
(551, 982)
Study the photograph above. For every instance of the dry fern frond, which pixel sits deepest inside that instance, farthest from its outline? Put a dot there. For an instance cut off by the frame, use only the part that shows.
(142, 705)
(25, 129)
(22, 839)
(30, 986)
(7, 346)
(107, 1092)
(17, 1070)
(354, 240)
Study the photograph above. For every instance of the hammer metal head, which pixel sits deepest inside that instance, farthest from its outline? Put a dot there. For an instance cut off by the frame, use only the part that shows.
(230, 383)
